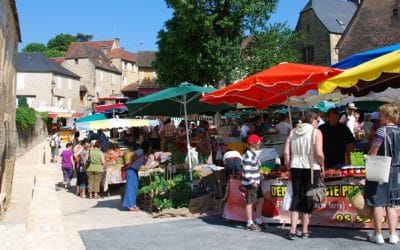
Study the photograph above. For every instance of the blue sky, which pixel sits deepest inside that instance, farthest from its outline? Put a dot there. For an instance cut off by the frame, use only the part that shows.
(136, 23)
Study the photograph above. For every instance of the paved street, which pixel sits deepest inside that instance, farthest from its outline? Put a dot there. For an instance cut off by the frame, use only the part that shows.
(214, 233)
(43, 216)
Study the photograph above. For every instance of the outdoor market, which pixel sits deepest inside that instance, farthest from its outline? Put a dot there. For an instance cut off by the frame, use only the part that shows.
(185, 146)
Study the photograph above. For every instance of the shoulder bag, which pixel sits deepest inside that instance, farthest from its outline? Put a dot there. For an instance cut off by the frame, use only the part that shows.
(377, 167)
(317, 193)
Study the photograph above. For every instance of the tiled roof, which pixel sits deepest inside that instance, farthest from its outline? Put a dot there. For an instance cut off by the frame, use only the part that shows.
(132, 87)
(144, 59)
(335, 15)
(96, 56)
(123, 54)
(58, 60)
(37, 62)
(94, 44)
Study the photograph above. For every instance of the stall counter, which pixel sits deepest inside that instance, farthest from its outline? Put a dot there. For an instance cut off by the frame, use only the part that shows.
(337, 212)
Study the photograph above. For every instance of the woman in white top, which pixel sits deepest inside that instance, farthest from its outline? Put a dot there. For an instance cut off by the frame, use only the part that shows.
(304, 141)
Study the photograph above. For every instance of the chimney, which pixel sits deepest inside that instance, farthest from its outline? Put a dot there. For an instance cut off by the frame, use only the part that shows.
(117, 43)
(104, 49)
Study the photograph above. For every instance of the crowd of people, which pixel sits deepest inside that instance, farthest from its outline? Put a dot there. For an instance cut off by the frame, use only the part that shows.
(317, 139)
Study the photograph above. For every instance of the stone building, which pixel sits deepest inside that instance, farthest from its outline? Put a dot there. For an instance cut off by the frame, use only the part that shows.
(322, 23)
(99, 76)
(10, 35)
(46, 85)
(375, 24)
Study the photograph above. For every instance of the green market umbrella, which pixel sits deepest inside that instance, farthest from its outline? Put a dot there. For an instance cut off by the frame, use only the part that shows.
(176, 101)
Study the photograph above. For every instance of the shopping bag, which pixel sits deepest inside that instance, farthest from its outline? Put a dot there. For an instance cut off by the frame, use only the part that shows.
(287, 199)
(194, 156)
(377, 168)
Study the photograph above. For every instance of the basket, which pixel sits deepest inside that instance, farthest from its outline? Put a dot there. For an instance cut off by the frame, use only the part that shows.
(145, 202)
(358, 202)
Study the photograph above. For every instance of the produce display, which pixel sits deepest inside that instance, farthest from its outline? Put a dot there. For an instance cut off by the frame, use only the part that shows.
(357, 159)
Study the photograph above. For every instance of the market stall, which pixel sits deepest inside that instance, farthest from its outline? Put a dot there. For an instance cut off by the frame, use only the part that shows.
(336, 212)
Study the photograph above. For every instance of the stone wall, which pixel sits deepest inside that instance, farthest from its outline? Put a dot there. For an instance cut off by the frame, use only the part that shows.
(9, 38)
(376, 24)
(29, 138)
(316, 35)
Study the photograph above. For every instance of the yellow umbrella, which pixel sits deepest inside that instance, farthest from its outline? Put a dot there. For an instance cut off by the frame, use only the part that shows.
(368, 71)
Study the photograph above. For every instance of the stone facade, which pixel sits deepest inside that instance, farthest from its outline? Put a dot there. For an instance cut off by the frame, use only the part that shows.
(9, 38)
(316, 46)
(48, 90)
(375, 24)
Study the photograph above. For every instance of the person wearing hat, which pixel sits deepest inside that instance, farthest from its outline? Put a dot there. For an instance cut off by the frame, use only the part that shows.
(251, 180)
(349, 119)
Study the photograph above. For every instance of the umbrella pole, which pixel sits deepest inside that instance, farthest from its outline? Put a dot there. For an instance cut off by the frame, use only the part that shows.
(290, 113)
(187, 141)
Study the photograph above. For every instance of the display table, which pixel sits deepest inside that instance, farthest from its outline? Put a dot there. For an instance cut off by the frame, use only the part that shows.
(337, 212)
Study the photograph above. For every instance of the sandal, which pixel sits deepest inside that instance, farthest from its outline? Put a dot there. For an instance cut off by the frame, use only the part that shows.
(305, 235)
(291, 236)
(132, 209)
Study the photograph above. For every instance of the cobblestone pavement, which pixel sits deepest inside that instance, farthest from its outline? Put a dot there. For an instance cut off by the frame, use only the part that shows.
(44, 216)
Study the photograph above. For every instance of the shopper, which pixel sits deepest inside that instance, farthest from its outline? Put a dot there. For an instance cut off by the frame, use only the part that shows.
(138, 159)
(386, 196)
(67, 164)
(83, 161)
(95, 170)
(302, 143)
(251, 180)
(55, 145)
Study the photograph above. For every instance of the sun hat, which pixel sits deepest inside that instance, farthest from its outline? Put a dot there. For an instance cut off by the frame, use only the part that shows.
(253, 139)
(351, 106)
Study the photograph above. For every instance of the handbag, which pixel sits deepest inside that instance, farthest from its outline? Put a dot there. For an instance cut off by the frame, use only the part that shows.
(377, 167)
(123, 172)
(317, 193)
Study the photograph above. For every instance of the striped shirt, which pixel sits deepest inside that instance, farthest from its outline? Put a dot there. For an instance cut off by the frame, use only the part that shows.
(251, 168)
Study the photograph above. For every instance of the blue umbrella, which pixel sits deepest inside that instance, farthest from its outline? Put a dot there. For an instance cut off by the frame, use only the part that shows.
(365, 56)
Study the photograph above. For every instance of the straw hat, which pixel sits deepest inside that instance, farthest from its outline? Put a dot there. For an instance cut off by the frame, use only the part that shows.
(351, 106)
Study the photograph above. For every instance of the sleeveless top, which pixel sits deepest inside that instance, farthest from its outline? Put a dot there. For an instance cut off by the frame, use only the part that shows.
(301, 146)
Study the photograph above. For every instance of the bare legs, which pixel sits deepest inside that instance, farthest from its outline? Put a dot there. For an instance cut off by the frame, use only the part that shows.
(249, 209)
(294, 220)
(378, 219)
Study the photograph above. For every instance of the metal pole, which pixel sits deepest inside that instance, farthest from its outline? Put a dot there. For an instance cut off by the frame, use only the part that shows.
(187, 140)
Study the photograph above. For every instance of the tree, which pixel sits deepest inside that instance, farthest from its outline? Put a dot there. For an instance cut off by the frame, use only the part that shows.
(61, 42)
(201, 42)
(35, 47)
(83, 37)
(278, 43)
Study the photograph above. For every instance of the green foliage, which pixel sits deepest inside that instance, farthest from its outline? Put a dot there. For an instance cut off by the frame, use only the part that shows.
(177, 156)
(25, 117)
(276, 44)
(35, 47)
(174, 192)
(57, 46)
(61, 42)
(201, 42)
(83, 37)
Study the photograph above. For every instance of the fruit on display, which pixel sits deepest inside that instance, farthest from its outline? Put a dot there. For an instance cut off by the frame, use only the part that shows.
(265, 170)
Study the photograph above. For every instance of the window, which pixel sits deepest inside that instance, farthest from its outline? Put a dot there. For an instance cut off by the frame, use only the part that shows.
(101, 76)
(395, 13)
(20, 81)
(135, 68)
(130, 66)
(123, 65)
(125, 80)
(113, 79)
(308, 54)
(69, 83)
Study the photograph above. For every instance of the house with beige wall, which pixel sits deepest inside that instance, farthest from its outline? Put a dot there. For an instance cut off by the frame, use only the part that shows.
(46, 85)
(10, 35)
(99, 76)
(322, 22)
